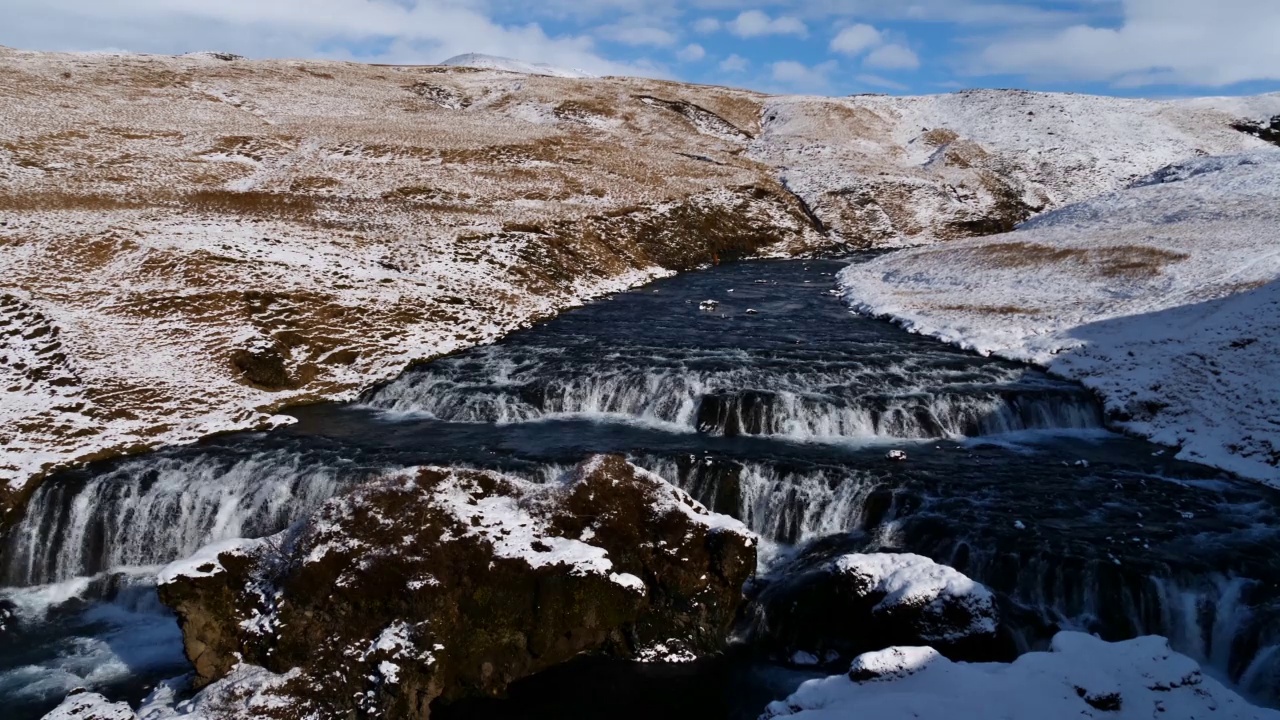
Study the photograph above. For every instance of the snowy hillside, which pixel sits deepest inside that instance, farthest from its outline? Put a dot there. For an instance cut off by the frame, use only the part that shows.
(909, 170)
(492, 62)
(1165, 297)
(192, 243)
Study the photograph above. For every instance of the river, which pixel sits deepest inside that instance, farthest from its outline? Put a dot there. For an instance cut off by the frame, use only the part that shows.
(776, 406)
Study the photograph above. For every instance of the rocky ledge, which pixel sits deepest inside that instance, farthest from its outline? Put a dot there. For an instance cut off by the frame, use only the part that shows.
(447, 584)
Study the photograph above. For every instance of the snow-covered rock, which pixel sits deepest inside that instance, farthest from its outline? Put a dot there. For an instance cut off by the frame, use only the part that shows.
(90, 706)
(453, 583)
(1080, 677)
(1162, 296)
(838, 608)
(493, 62)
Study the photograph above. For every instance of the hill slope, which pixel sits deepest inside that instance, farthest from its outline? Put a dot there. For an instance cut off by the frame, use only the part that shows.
(192, 243)
(1164, 296)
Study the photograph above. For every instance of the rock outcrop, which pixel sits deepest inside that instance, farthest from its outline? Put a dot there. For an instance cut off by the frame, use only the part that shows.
(823, 611)
(448, 584)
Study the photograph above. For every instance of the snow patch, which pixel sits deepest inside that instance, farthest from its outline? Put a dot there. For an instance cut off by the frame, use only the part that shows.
(1081, 676)
(493, 62)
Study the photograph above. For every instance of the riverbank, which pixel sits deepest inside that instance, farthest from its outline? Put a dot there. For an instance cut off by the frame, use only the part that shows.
(783, 418)
(1162, 297)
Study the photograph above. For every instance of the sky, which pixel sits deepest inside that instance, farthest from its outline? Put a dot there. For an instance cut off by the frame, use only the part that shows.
(1148, 48)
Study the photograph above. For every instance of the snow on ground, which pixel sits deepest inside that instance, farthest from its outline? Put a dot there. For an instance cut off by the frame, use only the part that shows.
(91, 706)
(248, 691)
(1164, 297)
(1248, 107)
(191, 243)
(492, 62)
(908, 170)
(1080, 677)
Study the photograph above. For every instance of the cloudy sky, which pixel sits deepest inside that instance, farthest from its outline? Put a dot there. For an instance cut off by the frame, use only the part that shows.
(1125, 47)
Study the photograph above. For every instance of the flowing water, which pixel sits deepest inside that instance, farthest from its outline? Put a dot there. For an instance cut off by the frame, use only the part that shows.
(777, 407)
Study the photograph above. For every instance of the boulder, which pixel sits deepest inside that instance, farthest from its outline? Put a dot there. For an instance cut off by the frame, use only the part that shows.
(447, 584)
(831, 610)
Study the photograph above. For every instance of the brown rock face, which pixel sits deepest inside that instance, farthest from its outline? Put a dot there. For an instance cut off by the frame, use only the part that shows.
(452, 584)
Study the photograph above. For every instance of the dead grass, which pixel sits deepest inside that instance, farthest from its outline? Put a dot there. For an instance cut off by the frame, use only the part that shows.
(583, 108)
(988, 309)
(279, 206)
(312, 183)
(1127, 262)
(938, 137)
(1134, 262)
(1015, 255)
(53, 201)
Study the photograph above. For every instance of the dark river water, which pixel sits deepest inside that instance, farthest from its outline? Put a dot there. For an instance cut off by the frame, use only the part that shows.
(777, 407)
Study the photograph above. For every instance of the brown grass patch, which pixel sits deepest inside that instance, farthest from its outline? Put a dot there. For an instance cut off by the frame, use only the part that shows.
(304, 184)
(1134, 262)
(252, 203)
(1128, 262)
(52, 201)
(254, 148)
(988, 309)
(1013, 255)
(938, 137)
(584, 108)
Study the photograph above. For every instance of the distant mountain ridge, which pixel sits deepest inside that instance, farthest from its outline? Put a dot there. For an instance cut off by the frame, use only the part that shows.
(494, 62)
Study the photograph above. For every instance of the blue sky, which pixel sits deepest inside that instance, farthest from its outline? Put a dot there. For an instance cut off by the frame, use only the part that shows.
(1151, 48)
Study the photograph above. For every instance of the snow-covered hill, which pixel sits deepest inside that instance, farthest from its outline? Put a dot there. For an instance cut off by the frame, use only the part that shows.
(192, 243)
(909, 170)
(1165, 297)
(493, 62)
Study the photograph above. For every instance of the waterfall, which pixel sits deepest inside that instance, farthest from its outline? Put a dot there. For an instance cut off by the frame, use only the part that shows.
(153, 510)
(1219, 619)
(1228, 623)
(830, 404)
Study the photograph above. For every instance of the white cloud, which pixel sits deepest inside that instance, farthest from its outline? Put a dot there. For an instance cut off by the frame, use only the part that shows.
(1159, 41)
(892, 57)
(797, 76)
(855, 39)
(692, 52)
(706, 25)
(880, 82)
(628, 35)
(374, 30)
(734, 64)
(754, 23)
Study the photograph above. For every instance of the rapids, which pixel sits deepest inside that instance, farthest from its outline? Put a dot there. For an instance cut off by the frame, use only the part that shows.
(777, 406)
